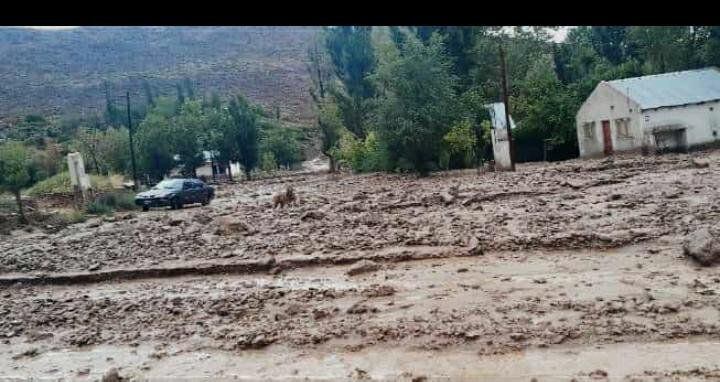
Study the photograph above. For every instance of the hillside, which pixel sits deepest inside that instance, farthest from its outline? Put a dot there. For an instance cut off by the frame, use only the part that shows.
(64, 72)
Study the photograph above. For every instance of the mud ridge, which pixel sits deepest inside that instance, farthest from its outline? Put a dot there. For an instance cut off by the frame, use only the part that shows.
(247, 267)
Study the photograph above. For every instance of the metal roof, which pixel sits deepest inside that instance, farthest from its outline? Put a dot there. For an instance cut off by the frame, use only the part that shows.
(671, 89)
(497, 115)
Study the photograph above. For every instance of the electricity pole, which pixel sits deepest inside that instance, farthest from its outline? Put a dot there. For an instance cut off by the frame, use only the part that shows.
(132, 146)
(508, 127)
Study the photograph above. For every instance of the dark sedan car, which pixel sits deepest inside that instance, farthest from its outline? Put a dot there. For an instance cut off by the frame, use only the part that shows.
(175, 193)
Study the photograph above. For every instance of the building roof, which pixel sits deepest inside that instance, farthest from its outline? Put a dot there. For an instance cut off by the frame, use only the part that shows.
(497, 115)
(671, 89)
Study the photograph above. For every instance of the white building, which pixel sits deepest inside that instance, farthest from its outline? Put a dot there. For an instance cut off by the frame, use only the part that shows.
(211, 167)
(501, 145)
(671, 111)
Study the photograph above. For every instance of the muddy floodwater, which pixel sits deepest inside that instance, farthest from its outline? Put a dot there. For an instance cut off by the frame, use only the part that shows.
(558, 272)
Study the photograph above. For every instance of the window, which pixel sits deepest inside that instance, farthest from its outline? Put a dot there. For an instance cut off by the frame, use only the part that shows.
(622, 127)
(589, 130)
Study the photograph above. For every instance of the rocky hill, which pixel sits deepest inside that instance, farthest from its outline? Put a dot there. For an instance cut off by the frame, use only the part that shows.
(65, 71)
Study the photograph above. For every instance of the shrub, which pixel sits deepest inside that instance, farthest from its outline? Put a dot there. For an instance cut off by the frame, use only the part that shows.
(364, 155)
(118, 200)
(458, 146)
(267, 162)
(98, 208)
(72, 217)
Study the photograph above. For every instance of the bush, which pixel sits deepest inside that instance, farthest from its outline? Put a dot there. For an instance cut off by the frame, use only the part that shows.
(364, 155)
(72, 217)
(118, 200)
(98, 208)
(458, 146)
(267, 162)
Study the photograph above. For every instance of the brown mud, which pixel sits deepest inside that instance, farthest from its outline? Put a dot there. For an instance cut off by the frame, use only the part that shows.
(559, 271)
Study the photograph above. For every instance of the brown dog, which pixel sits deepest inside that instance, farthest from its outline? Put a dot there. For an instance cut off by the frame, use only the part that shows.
(284, 198)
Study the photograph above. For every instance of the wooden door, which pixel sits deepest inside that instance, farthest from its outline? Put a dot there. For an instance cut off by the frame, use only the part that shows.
(607, 138)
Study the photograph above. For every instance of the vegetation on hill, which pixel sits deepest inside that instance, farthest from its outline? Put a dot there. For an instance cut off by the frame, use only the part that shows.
(69, 72)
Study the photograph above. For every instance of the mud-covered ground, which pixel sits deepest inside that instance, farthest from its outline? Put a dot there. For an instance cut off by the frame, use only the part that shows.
(556, 271)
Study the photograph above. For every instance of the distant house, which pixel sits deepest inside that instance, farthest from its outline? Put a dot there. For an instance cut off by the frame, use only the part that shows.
(211, 167)
(671, 111)
(501, 145)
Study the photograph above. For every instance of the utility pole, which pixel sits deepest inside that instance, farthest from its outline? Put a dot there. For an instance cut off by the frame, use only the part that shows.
(508, 127)
(132, 146)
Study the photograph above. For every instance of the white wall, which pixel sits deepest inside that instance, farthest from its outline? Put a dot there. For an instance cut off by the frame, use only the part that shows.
(607, 104)
(501, 149)
(699, 120)
(206, 170)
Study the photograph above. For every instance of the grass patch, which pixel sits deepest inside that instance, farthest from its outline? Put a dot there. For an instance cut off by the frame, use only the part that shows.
(60, 184)
(112, 201)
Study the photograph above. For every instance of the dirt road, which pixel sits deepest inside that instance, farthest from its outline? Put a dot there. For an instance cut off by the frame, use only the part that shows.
(556, 272)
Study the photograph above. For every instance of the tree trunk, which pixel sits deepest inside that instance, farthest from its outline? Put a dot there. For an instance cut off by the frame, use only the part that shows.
(18, 199)
(333, 165)
(229, 169)
(247, 175)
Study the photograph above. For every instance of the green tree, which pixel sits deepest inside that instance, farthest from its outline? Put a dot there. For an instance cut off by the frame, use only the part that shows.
(546, 107)
(331, 128)
(244, 134)
(329, 119)
(154, 147)
(351, 54)
(417, 109)
(17, 172)
(282, 143)
(186, 131)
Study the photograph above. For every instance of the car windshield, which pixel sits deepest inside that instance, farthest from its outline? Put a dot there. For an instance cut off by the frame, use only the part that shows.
(173, 184)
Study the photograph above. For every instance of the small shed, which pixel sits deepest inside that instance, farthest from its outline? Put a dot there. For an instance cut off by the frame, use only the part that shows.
(663, 112)
(499, 133)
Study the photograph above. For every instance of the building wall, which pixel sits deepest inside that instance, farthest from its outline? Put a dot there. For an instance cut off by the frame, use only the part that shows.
(605, 103)
(206, 170)
(701, 121)
(501, 149)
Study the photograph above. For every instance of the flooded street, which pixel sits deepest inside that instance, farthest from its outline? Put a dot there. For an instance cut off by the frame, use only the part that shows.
(564, 271)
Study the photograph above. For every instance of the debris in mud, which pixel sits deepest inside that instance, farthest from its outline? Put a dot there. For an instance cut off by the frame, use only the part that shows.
(475, 247)
(360, 307)
(229, 225)
(363, 266)
(699, 163)
(30, 353)
(702, 245)
(174, 220)
(376, 290)
(312, 215)
(360, 374)
(112, 375)
(598, 374)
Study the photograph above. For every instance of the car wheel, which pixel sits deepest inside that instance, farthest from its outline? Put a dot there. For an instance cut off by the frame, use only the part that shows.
(145, 208)
(206, 201)
(175, 204)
